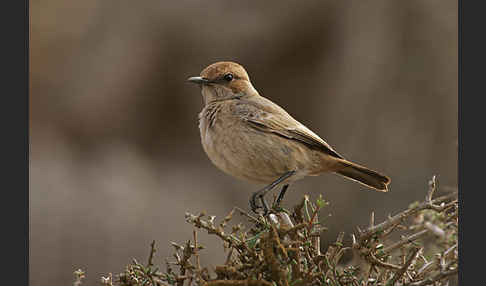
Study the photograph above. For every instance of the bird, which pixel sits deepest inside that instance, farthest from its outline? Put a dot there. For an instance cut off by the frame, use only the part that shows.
(252, 138)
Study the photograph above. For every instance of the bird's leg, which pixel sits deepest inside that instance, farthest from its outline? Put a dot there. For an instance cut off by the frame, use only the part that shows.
(281, 195)
(261, 193)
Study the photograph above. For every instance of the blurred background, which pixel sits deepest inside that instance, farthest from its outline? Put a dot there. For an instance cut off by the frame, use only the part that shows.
(116, 158)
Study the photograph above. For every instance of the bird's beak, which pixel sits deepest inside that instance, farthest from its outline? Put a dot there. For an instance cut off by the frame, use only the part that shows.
(198, 80)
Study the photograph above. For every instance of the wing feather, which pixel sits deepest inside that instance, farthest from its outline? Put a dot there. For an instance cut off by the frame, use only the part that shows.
(266, 116)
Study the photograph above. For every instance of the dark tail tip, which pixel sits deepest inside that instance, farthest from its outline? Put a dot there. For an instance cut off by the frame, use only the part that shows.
(366, 177)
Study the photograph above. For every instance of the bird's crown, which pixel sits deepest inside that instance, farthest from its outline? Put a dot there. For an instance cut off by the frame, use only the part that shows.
(224, 71)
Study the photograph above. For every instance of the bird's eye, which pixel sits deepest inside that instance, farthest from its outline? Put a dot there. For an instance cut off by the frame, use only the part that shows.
(228, 77)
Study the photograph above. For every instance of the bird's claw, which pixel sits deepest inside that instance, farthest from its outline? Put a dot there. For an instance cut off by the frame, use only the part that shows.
(254, 206)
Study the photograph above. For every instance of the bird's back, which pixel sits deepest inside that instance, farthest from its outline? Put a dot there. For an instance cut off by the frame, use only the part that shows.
(257, 140)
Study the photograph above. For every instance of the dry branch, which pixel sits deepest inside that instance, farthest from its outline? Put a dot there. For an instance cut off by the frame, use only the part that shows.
(285, 249)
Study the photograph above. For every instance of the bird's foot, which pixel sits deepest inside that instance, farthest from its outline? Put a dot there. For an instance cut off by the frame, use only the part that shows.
(280, 197)
(255, 206)
(259, 195)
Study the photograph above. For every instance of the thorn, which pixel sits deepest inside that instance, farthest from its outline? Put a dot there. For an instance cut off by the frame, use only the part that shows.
(355, 244)
(432, 189)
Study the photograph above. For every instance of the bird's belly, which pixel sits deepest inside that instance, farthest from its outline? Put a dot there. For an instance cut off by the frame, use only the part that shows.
(252, 155)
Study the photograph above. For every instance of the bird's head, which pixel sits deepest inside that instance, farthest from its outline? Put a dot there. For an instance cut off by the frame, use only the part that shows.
(224, 80)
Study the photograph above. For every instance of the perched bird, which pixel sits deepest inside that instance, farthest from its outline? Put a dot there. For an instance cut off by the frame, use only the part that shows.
(249, 137)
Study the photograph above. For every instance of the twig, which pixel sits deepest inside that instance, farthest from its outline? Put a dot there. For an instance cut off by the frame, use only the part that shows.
(368, 274)
(434, 229)
(372, 259)
(401, 271)
(432, 189)
(196, 253)
(431, 280)
(151, 255)
(372, 219)
(246, 214)
(405, 240)
(446, 253)
(368, 233)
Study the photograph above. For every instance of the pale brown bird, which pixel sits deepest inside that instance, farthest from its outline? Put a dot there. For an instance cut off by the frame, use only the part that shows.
(249, 137)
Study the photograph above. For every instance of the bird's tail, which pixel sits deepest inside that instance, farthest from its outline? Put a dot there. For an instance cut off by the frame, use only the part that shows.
(364, 176)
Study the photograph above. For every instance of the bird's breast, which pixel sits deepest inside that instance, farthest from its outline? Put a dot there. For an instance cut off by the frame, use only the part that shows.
(245, 153)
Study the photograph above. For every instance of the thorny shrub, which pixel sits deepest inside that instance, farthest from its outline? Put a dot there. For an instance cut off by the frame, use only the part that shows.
(284, 249)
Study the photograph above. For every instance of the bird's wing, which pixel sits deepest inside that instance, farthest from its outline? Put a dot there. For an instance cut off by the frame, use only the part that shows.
(266, 116)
